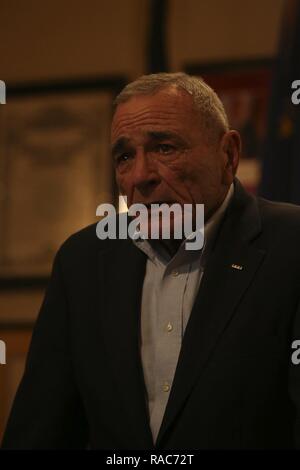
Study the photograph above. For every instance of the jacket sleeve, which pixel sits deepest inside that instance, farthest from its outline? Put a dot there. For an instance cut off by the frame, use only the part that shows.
(47, 412)
(294, 376)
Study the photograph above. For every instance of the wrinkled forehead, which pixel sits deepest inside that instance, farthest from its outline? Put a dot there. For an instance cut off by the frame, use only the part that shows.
(170, 109)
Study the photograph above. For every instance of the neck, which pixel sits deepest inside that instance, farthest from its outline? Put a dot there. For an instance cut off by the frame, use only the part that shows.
(170, 246)
(210, 212)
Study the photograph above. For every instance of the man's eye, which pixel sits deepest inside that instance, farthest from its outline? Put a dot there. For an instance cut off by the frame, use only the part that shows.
(123, 157)
(165, 148)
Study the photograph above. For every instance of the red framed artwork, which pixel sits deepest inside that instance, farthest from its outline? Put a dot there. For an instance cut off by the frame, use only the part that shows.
(244, 88)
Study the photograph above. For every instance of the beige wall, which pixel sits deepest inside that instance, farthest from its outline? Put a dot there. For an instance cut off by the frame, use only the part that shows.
(69, 38)
(217, 30)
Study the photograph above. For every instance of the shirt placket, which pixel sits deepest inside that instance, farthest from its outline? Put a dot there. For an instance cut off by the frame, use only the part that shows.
(169, 337)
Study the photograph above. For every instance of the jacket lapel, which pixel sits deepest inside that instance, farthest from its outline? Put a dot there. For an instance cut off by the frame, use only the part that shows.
(232, 264)
(122, 271)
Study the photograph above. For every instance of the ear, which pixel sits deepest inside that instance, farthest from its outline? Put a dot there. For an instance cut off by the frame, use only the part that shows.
(230, 147)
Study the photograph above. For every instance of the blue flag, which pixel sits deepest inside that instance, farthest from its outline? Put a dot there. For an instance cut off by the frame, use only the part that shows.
(281, 154)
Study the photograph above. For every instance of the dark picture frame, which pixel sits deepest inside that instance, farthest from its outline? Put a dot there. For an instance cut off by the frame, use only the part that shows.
(244, 88)
(55, 169)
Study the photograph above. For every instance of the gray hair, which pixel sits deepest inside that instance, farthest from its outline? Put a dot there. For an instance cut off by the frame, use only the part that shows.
(205, 100)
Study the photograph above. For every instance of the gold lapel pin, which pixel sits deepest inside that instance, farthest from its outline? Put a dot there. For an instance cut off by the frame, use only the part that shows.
(237, 266)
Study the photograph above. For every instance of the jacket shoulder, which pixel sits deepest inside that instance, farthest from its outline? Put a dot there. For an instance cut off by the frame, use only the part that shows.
(81, 248)
(279, 214)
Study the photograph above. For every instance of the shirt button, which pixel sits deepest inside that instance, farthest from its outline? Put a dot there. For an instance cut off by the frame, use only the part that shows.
(175, 273)
(166, 387)
(169, 327)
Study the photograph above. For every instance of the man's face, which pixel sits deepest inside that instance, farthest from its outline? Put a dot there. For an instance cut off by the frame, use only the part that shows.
(162, 156)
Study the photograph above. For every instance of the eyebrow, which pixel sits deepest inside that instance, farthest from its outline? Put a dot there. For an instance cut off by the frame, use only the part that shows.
(124, 142)
(162, 135)
(119, 145)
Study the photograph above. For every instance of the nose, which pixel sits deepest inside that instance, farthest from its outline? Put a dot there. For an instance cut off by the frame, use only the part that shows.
(144, 174)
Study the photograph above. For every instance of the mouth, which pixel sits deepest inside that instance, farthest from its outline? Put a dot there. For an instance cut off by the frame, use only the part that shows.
(169, 203)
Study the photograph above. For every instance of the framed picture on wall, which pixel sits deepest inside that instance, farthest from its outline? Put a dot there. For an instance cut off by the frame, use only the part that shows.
(55, 169)
(244, 88)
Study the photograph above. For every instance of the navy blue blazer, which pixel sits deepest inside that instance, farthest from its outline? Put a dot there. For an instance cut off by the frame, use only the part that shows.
(235, 386)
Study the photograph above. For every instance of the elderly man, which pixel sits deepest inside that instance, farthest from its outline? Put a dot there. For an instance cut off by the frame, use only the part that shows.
(142, 344)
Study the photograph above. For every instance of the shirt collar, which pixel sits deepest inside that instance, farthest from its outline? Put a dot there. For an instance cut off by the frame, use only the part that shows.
(182, 255)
